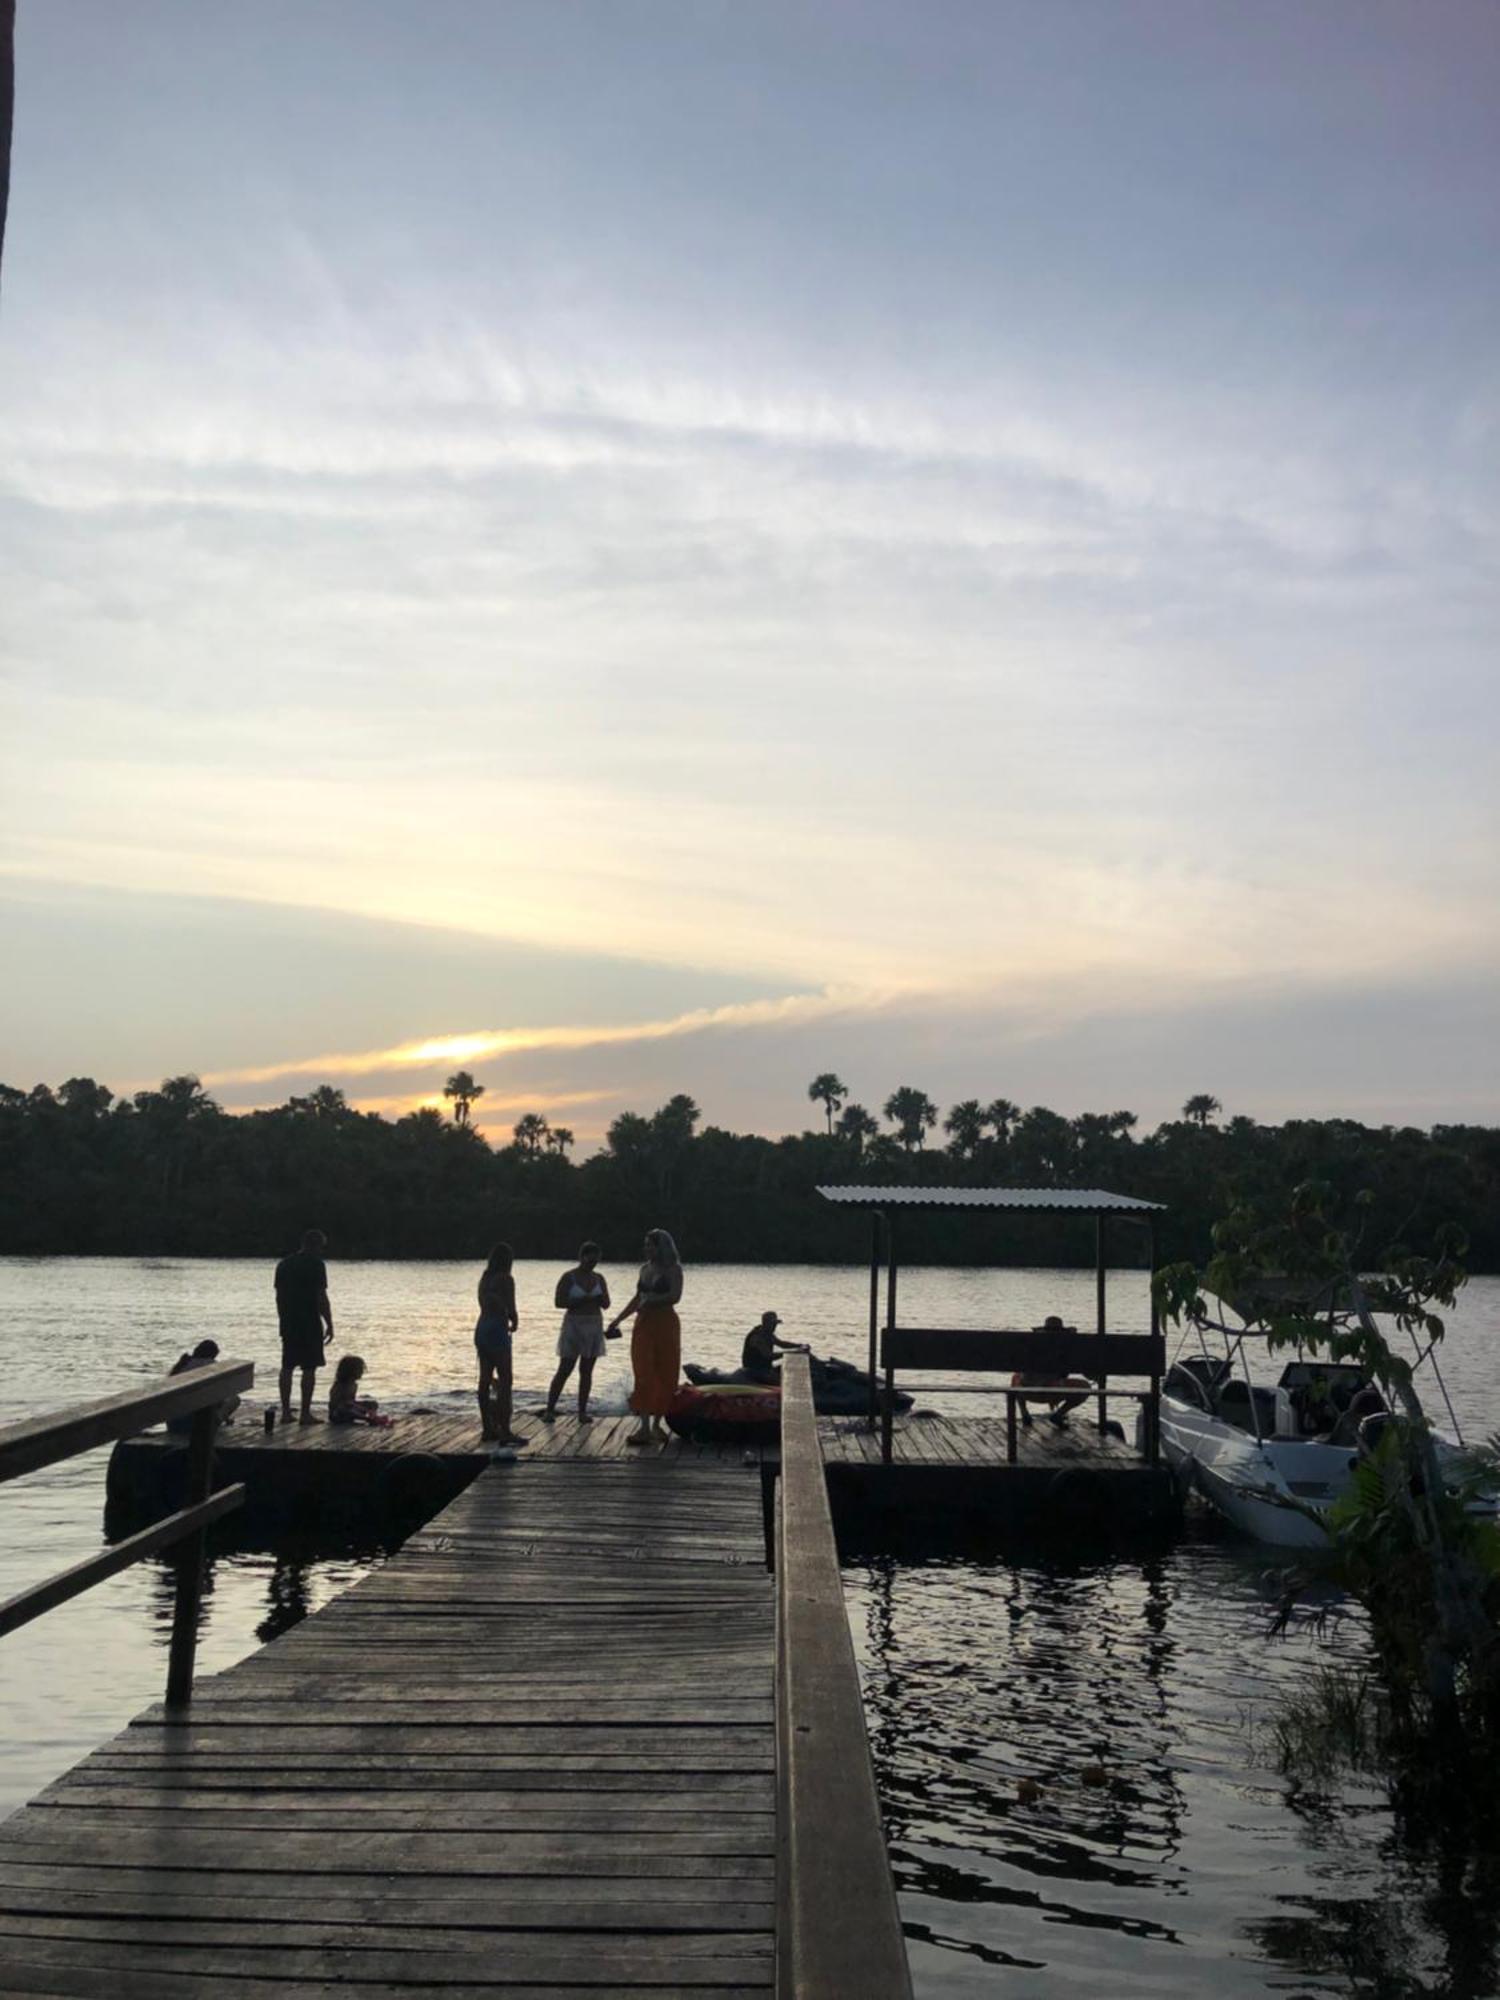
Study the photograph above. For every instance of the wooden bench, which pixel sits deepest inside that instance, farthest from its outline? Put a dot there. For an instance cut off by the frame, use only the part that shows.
(1047, 1355)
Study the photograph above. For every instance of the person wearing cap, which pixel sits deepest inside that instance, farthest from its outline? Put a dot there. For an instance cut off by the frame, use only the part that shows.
(759, 1356)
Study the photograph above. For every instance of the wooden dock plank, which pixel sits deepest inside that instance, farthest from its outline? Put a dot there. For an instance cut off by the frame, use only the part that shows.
(532, 1752)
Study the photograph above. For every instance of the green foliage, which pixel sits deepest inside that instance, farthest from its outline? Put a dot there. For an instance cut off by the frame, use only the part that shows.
(170, 1172)
(1402, 1541)
(1336, 1722)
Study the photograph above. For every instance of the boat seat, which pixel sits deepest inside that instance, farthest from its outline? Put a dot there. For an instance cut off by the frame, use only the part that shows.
(1235, 1405)
(1194, 1377)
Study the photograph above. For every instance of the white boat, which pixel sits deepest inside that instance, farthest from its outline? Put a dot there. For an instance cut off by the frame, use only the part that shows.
(1272, 1461)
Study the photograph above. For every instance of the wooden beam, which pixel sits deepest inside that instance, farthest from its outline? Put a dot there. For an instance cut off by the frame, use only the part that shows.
(1056, 1351)
(36, 1442)
(838, 1931)
(28, 1604)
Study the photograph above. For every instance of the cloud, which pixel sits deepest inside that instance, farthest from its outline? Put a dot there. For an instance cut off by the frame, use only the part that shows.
(497, 1043)
(774, 551)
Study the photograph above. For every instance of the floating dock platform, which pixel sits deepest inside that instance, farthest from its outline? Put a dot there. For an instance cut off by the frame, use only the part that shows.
(947, 1474)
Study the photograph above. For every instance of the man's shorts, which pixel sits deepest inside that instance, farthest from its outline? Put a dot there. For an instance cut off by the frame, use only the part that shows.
(302, 1343)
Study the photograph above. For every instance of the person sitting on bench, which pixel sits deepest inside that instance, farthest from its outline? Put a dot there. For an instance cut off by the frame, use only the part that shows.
(1058, 1403)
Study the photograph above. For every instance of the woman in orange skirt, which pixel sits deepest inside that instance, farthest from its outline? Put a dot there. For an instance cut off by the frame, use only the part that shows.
(656, 1343)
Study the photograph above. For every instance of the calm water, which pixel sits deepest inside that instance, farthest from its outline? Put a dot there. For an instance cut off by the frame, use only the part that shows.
(1194, 1867)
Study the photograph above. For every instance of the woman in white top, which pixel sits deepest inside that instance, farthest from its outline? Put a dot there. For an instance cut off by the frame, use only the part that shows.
(583, 1299)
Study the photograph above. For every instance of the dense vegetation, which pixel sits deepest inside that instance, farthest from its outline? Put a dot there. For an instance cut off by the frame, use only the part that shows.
(1411, 1541)
(168, 1172)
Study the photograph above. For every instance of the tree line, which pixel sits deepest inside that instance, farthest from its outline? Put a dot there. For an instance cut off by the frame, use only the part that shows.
(168, 1172)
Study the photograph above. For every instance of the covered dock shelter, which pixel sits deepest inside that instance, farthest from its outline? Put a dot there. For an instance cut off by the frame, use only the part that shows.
(892, 1344)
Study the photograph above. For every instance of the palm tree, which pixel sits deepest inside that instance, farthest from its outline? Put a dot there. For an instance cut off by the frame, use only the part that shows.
(672, 1126)
(1200, 1109)
(629, 1136)
(1046, 1144)
(84, 1098)
(464, 1092)
(856, 1125)
(965, 1128)
(828, 1091)
(913, 1113)
(1000, 1114)
(171, 1122)
(325, 1102)
(559, 1139)
(531, 1132)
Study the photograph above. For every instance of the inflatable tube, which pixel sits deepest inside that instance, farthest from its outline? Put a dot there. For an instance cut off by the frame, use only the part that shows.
(839, 1388)
(729, 1414)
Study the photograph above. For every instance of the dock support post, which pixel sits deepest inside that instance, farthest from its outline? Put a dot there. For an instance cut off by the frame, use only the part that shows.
(888, 1414)
(1099, 1314)
(876, 1219)
(1153, 1408)
(190, 1560)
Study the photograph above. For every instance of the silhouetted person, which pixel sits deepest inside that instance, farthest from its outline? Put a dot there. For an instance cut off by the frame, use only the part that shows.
(582, 1297)
(1350, 1427)
(497, 1323)
(1058, 1404)
(204, 1355)
(306, 1319)
(656, 1342)
(758, 1356)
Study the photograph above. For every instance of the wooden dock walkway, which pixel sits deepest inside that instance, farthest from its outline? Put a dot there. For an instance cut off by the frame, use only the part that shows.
(534, 1754)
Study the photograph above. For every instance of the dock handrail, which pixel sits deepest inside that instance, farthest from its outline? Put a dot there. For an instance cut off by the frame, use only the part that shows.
(838, 1931)
(37, 1442)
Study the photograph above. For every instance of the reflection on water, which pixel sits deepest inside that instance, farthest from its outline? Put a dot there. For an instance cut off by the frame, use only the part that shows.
(1073, 1761)
(288, 1594)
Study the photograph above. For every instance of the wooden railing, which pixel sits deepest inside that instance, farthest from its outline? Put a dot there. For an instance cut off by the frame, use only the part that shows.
(838, 1933)
(37, 1442)
(1045, 1354)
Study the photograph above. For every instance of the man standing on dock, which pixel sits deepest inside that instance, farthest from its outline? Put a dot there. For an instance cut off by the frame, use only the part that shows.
(306, 1319)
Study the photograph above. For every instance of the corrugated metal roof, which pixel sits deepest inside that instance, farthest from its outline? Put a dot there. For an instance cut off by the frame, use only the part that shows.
(1059, 1201)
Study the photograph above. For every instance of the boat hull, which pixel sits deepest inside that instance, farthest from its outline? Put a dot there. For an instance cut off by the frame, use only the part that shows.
(1275, 1490)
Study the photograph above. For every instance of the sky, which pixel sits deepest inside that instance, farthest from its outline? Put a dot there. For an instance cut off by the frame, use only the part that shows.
(663, 547)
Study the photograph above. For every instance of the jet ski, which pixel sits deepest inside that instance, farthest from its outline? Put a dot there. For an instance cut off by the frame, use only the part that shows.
(839, 1388)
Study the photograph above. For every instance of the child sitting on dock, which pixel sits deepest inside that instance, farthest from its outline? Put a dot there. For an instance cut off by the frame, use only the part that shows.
(345, 1404)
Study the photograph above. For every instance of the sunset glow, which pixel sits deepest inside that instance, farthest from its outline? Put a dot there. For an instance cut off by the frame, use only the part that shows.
(601, 532)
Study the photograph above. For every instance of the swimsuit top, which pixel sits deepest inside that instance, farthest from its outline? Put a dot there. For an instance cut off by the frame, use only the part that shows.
(655, 1284)
(585, 1298)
